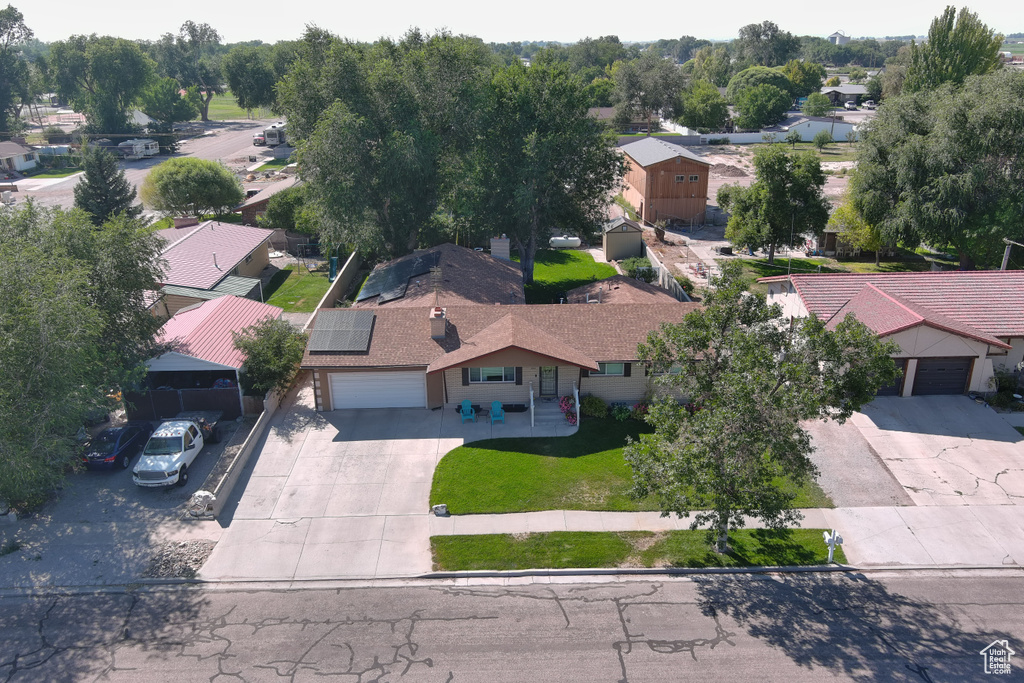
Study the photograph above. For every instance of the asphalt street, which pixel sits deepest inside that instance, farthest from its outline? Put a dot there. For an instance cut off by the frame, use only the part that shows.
(227, 141)
(800, 627)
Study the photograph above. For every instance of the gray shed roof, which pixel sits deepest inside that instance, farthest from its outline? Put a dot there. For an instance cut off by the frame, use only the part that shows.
(651, 150)
(618, 222)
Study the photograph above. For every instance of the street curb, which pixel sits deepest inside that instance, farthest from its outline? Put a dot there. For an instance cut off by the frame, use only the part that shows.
(434, 578)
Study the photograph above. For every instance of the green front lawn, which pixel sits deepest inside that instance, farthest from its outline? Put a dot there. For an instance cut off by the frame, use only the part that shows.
(585, 471)
(225, 108)
(581, 549)
(296, 290)
(55, 173)
(556, 271)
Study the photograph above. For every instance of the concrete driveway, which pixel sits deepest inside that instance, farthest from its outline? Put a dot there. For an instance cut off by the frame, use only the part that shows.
(946, 450)
(344, 493)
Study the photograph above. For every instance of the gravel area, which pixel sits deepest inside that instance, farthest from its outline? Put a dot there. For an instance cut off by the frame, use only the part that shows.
(179, 559)
(852, 474)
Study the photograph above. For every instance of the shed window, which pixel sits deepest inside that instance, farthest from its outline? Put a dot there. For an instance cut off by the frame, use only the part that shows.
(695, 179)
(680, 178)
(609, 370)
(507, 374)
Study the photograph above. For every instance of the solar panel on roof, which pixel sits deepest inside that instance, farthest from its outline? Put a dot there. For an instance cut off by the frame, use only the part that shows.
(340, 331)
(390, 282)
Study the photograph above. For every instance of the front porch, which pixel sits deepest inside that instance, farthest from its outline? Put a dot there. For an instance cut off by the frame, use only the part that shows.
(547, 421)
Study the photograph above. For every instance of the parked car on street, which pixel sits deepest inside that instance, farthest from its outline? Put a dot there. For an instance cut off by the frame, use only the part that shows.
(258, 139)
(850, 106)
(170, 452)
(870, 104)
(115, 447)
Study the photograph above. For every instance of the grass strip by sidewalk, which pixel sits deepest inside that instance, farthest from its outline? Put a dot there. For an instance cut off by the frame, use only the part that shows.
(629, 549)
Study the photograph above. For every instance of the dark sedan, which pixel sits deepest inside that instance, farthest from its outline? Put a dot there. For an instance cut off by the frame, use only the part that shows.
(116, 446)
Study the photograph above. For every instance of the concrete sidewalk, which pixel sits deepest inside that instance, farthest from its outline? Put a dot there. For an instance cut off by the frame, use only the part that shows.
(873, 536)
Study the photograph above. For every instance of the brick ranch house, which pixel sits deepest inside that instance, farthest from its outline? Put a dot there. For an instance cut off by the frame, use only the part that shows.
(954, 329)
(480, 342)
(665, 181)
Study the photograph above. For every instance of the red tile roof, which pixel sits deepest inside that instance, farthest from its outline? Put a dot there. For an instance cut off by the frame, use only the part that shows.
(606, 332)
(204, 331)
(469, 277)
(886, 314)
(190, 260)
(988, 301)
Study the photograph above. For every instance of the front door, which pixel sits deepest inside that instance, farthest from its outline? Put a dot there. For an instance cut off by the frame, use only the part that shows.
(549, 381)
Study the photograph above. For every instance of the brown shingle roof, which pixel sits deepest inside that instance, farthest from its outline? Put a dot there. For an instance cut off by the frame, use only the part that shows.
(989, 301)
(620, 289)
(607, 332)
(470, 277)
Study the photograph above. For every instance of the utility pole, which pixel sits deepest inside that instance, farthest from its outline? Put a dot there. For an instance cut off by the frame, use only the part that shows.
(1006, 252)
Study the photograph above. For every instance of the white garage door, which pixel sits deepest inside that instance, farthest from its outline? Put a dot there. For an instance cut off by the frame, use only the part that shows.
(378, 390)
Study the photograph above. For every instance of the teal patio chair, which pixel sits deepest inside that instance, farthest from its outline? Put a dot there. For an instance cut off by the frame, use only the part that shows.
(497, 412)
(467, 412)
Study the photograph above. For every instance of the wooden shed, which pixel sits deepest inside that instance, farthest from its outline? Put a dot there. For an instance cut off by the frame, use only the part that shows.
(665, 181)
(623, 239)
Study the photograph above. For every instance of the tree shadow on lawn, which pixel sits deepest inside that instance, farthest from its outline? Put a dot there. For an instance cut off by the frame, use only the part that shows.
(593, 436)
(747, 548)
(848, 624)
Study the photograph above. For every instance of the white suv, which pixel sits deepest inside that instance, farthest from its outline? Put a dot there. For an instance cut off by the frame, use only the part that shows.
(852, 106)
(168, 454)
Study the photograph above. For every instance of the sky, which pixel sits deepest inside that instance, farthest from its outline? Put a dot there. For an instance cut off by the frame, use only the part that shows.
(522, 20)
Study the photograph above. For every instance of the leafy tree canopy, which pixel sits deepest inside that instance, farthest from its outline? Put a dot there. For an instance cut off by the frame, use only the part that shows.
(163, 101)
(946, 166)
(712, 64)
(751, 378)
(817, 105)
(647, 88)
(753, 77)
(784, 203)
(250, 75)
(73, 311)
(958, 46)
(104, 191)
(804, 77)
(14, 71)
(273, 350)
(765, 44)
(703, 107)
(187, 186)
(761, 106)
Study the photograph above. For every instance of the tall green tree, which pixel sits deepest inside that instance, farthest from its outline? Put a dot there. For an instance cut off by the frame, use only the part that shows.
(75, 326)
(102, 76)
(163, 101)
(753, 77)
(187, 186)
(804, 77)
(385, 128)
(752, 378)
(14, 71)
(540, 162)
(761, 106)
(273, 350)
(703, 107)
(192, 57)
(765, 44)
(817, 105)
(104, 190)
(852, 229)
(958, 46)
(784, 203)
(712, 64)
(647, 88)
(250, 75)
(946, 167)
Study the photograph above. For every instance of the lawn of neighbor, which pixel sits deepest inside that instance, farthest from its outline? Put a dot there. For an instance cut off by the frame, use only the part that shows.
(556, 271)
(585, 471)
(579, 549)
(296, 290)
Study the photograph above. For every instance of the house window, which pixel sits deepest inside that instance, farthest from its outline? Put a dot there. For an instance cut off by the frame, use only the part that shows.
(609, 370)
(248, 258)
(492, 374)
(680, 178)
(695, 179)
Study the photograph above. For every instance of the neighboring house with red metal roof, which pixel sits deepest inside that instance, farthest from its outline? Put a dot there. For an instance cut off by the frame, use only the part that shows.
(396, 348)
(954, 328)
(210, 260)
(203, 366)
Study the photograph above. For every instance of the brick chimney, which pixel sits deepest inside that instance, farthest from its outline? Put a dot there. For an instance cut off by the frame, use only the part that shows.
(500, 248)
(185, 221)
(438, 323)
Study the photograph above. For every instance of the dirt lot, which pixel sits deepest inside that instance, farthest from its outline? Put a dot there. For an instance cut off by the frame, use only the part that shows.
(732, 164)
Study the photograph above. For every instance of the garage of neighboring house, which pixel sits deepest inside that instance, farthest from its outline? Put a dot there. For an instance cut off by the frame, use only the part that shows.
(935, 376)
(394, 389)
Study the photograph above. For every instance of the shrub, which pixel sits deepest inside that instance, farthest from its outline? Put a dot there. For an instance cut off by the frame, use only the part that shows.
(638, 268)
(639, 411)
(686, 283)
(1005, 380)
(592, 406)
(621, 411)
(718, 141)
